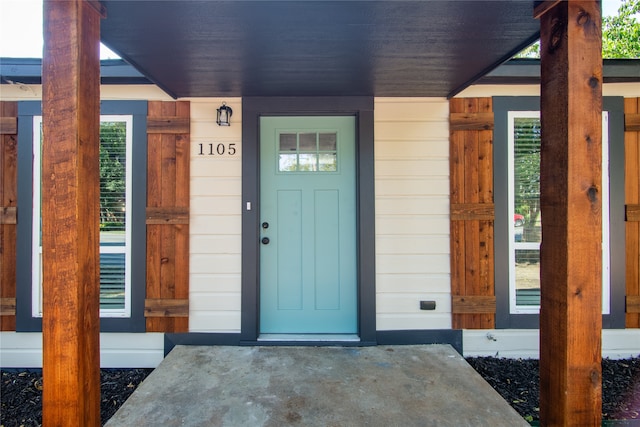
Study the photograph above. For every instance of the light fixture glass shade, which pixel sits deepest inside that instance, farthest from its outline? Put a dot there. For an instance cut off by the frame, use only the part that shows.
(224, 115)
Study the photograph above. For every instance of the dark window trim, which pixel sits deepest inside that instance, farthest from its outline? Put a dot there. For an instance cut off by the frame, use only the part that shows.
(252, 109)
(615, 107)
(24, 320)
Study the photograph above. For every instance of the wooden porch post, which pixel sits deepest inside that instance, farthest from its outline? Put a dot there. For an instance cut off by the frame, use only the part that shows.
(70, 208)
(571, 250)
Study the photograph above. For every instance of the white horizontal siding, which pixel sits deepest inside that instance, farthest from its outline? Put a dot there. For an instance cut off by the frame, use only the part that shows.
(215, 219)
(215, 205)
(410, 244)
(628, 90)
(215, 185)
(217, 224)
(220, 282)
(117, 350)
(224, 321)
(412, 283)
(525, 343)
(414, 320)
(412, 203)
(419, 205)
(412, 213)
(23, 92)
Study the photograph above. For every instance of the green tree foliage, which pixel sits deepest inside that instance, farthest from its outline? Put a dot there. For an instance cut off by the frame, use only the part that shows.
(526, 161)
(620, 34)
(112, 175)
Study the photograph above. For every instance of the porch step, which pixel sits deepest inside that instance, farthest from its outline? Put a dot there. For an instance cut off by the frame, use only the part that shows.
(425, 385)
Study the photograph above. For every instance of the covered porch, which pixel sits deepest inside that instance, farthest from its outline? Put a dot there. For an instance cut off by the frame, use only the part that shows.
(398, 49)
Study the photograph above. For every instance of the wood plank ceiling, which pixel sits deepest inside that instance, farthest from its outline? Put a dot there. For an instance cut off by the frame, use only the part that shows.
(317, 48)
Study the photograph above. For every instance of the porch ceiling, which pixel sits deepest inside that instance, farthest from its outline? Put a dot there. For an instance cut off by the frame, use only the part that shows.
(317, 48)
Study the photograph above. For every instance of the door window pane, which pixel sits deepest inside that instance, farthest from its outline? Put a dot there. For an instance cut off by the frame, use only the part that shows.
(288, 142)
(328, 162)
(308, 162)
(308, 152)
(327, 141)
(288, 162)
(308, 142)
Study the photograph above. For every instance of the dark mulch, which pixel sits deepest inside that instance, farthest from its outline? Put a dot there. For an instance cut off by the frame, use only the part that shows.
(515, 379)
(21, 394)
(517, 382)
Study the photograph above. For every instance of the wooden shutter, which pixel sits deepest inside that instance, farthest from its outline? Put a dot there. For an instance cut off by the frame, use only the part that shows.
(632, 201)
(8, 203)
(167, 293)
(473, 302)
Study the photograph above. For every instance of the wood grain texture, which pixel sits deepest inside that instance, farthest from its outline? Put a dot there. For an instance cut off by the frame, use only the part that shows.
(168, 177)
(632, 201)
(8, 203)
(8, 215)
(471, 121)
(8, 125)
(168, 125)
(158, 307)
(70, 237)
(167, 215)
(633, 304)
(543, 7)
(471, 208)
(473, 304)
(472, 211)
(571, 250)
(632, 213)
(7, 307)
(632, 122)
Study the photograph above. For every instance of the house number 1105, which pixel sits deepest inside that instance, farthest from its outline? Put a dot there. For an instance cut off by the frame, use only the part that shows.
(217, 149)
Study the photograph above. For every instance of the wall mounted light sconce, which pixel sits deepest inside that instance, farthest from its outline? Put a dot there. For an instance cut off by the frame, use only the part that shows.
(224, 115)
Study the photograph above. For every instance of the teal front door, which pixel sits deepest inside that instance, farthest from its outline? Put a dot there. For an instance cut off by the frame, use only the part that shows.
(308, 225)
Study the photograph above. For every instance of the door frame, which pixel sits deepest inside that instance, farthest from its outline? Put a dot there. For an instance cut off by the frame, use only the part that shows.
(252, 109)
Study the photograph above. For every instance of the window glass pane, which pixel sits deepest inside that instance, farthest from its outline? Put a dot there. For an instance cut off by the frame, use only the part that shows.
(328, 162)
(308, 142)
(112, 281)
(527, 219)
(288, 142)
(308, 162)
(115, 182)
(288, 163)
(316, 152)
(327, 141)
(113, 186)
(528, 277)
(524, 144)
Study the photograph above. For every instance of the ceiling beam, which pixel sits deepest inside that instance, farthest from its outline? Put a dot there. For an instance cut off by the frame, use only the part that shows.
(70, 214)
(571, 180)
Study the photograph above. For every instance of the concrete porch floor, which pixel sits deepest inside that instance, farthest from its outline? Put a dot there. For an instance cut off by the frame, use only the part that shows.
(419, 385)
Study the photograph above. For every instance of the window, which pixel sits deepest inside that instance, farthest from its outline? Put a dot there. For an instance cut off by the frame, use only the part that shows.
(116, 142)
(307, 152)
(525, 230)
(518, 219)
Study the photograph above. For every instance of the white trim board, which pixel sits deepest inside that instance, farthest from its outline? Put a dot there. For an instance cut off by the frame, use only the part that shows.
(525, 343)
(125, 350)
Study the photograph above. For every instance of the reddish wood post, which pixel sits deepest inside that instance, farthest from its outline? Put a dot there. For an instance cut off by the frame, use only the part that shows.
(70, 213)
(571, 251)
